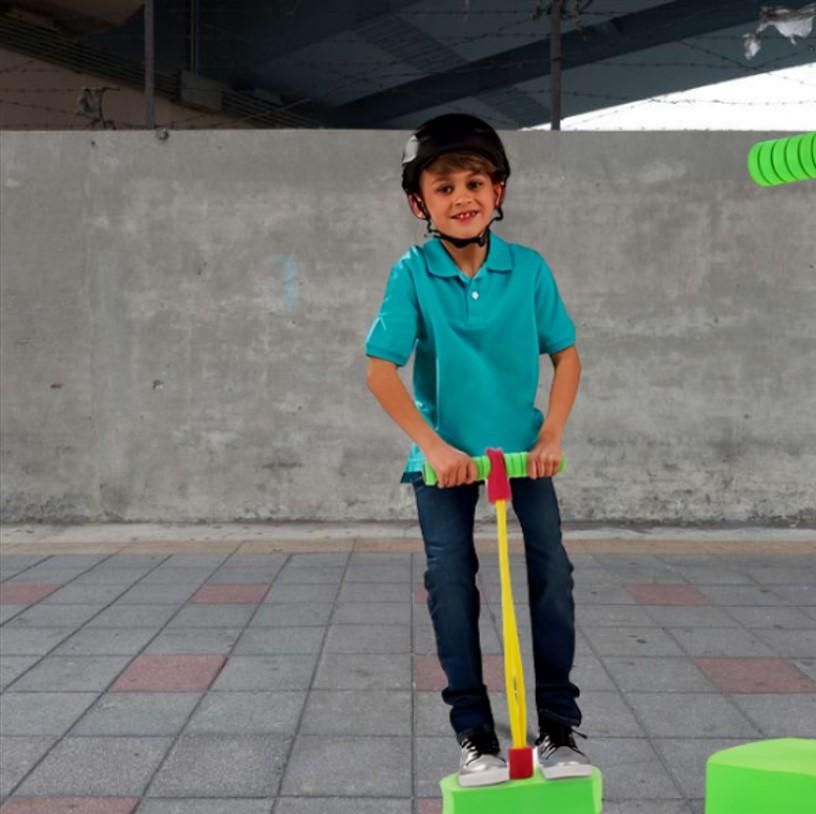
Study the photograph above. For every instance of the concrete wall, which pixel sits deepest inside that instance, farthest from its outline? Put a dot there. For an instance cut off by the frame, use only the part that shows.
(183, 325)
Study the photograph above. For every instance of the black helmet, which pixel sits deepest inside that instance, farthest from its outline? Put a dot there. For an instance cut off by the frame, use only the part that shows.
(451, 132)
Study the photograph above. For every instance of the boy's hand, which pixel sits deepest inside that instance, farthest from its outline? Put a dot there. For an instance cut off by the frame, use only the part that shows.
(452, 467)
(544, 458)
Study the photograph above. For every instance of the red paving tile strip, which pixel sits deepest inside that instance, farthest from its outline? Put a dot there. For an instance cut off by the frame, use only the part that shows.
(756, 675)
(429, 807)
(238, 593)
(654, 593)
(428, 673)
(170, 673)
(69, 805)
(20, 593)
(421, 595)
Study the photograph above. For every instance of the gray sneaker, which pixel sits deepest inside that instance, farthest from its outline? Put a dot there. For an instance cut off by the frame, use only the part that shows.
(481, 763)
(558, 756)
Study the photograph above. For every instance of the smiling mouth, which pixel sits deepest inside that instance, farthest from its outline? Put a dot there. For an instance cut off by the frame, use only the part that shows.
(464, 217)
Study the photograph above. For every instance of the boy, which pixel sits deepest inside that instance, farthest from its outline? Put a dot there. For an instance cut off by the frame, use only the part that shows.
(478, 312)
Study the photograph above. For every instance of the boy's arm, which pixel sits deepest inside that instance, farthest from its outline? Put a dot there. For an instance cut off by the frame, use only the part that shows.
(545, 457)
(453, 468)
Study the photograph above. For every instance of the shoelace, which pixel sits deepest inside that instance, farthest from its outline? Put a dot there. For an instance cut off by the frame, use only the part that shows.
(481, 745)
(558, 736)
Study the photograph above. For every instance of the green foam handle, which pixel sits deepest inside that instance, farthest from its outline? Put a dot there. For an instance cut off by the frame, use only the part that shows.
(516, 463)
(783, 160)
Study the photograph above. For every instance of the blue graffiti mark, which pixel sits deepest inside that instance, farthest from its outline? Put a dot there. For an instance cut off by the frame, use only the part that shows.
(290, 281)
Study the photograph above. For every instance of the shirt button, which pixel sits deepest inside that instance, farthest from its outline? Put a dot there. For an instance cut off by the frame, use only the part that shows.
(475, 295)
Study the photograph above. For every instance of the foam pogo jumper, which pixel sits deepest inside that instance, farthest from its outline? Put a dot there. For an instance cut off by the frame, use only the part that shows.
(528, 791)
(783, 160)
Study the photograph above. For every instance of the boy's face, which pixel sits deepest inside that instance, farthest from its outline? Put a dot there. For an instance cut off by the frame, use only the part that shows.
(461, 202)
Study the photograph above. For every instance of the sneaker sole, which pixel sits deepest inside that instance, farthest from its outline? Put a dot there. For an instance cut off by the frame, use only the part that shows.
(490, 777)
(565, 772)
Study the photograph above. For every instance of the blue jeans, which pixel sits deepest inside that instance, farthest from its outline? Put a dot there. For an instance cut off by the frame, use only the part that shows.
(446, 517)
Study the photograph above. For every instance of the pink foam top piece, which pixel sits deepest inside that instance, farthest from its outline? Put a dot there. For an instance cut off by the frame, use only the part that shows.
(498, 484)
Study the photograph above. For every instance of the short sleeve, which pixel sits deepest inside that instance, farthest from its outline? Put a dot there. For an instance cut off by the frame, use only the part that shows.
(556, 330)
(394, 330)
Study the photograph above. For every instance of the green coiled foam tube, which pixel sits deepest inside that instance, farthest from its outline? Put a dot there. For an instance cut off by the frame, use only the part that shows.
(783, 160)
(516, 463)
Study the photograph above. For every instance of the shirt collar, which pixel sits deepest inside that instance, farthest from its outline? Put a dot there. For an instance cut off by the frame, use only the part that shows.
(441, 264)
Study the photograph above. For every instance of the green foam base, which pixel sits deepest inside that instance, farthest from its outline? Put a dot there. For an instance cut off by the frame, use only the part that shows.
(765, 777)
(535, 795)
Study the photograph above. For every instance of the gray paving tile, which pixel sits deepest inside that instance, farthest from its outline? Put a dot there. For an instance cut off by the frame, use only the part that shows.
(31, 641)
(658, 674)
(631, 641)
(686, 758)
(771, 618)
(310, 575)
(84, 595)
(588, 673)
(247, 713)
(646, 807)
(368, 639)
(435, 758)
(222, 766)
(359, 766)
(781, 575)
(135, 714)
(357, 712)
(715, 641)
(121, 579)
(42, 713)
(739, 595)
(72, 674)
(602, 595)
(301, 593)
(119, 615)
(713, 575)
(799, 596)
(431, 714)
(807, 666)
(379, 572)
(284, 614)
(691, 616)
(381, 613)
(266, 673)
(106, 642)
(378, 557)
(213, 615)
(10, 611)
(376, 592)
(350, 805)
(320, 558)
(96, 767)
(606, 714)
(612, 616)
(158, 594)
(780, 716)
(20, 755)
(11, 667)
(55, 576)
(666, 715)
(279, 640)
(165, 575)
(211, 561)
(631, 769)
(337, 671)
(787, 643)
(244, 577)
(203, 806)
(55, 616)
(194, 640)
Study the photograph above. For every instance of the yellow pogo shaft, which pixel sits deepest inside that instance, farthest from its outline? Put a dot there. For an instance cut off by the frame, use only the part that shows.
(513, 669)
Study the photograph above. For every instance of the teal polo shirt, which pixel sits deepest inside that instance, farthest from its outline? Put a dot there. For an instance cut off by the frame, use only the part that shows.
(477, 342)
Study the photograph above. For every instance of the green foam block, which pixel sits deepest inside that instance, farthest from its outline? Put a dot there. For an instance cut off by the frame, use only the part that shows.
(534, 795)
(764, 777)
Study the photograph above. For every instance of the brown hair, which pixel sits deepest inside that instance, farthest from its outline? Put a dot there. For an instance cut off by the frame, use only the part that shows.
(456, 162)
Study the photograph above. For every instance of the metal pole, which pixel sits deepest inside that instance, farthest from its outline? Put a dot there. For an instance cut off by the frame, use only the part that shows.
(150, 65)
(555, 65)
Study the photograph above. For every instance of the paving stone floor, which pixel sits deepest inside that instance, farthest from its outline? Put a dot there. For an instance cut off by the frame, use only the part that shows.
(298, 675)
